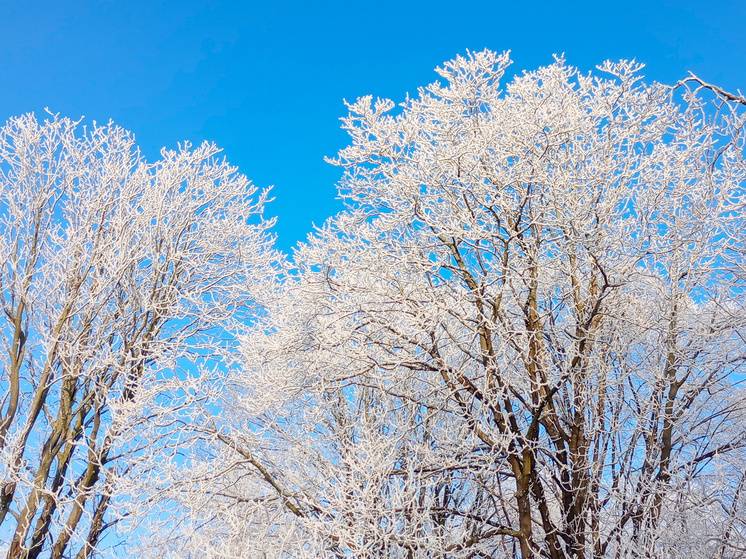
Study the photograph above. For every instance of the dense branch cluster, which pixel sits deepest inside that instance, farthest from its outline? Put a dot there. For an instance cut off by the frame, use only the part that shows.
(118, 280)
(523, 337)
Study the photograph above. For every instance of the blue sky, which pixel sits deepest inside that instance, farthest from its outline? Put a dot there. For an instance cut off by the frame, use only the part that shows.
(265, 80)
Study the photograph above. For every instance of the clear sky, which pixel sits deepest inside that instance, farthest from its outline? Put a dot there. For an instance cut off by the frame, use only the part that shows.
(265, 80)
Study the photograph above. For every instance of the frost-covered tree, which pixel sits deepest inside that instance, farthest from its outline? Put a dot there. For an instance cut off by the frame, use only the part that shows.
(119, 282)
(523, 338)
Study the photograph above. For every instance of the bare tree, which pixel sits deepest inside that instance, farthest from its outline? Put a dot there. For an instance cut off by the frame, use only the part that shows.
(523, 338)
(119, 281)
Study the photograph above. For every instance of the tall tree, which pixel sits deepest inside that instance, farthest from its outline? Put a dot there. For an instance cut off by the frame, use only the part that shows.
(523, 338)
(119, 281)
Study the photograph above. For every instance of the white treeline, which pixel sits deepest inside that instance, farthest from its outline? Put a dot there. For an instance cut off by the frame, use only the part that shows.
(119, 279)
(523, 338)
